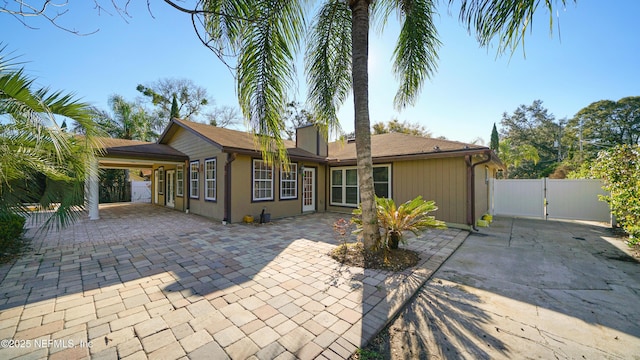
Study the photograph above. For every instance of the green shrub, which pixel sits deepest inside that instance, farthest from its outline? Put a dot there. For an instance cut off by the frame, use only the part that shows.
(11, 229)
(619, 168)
(413, 215)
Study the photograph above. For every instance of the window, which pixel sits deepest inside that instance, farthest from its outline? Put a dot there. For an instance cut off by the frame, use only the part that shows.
(381, 181)
(289, 182)
(344, 184)
(210, 179)
(160, 180)
(179, 181)
(262, 181)
(194, 178)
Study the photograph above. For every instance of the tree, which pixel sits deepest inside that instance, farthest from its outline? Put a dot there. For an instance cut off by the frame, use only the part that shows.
(495, 140)
(604, 124)
(296, 116)
(52, 11)
(192, 100)
(263, 36)
(131, 120)
(395, 126)
(224, 116)
(40, 163)
(513, 156)
(175, 111)
(532, 126)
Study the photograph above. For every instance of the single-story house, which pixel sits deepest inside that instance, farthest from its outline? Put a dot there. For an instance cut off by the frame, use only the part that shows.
(219, 173)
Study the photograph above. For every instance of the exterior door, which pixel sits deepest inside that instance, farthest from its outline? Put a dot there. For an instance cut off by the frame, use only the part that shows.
(171, 191)
(309, 189)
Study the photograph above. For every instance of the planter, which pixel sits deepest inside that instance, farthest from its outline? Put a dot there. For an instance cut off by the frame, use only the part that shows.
(394, 240)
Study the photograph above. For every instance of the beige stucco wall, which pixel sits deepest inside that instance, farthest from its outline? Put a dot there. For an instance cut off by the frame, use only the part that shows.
(241, 192)
(199, 149)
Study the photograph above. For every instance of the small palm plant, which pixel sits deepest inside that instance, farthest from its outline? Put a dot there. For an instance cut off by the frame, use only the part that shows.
(412, 215)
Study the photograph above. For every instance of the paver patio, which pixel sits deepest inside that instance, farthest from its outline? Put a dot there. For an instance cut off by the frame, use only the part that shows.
(149, 282)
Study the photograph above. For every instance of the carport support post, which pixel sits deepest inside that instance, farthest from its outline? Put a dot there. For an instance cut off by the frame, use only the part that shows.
(92, 190)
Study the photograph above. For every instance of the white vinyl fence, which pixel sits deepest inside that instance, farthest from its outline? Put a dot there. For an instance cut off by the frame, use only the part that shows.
(141, 191)
(550, 198)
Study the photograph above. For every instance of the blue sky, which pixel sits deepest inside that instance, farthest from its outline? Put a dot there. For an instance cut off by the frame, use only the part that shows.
(593, 56)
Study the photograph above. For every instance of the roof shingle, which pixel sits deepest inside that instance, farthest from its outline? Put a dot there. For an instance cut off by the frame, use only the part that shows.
(230, 140)
(396, 144)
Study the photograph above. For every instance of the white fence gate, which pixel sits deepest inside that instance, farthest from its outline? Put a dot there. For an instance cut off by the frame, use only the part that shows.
(550, 198)
(141, 191)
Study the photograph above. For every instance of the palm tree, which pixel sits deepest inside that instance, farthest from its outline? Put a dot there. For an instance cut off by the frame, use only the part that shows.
(514, 155)
(130, 120)
(39, 162)
(265, 35)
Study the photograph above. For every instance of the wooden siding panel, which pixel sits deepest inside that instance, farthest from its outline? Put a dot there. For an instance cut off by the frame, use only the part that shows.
(199, 149)
(441, 180)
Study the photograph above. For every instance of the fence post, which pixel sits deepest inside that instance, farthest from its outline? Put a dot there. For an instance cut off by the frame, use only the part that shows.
(545, 201)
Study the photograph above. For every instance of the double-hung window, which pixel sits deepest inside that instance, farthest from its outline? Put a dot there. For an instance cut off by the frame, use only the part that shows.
(194, 179)
(344, 184)
(289, 182)
(262, 181)
(210, 179)
(160, 180)
(180, 180)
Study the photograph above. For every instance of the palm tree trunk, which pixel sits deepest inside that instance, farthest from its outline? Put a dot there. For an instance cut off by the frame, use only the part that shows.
(360, 73)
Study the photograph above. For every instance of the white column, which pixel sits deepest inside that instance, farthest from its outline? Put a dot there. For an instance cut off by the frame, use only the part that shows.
(93, 192)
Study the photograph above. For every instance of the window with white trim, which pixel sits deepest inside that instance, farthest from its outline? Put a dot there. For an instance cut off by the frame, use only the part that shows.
(262, 181)
(194, 179)
(210, 179)
(179, 180)
(289, 182)
(160, 180)
(344, 184)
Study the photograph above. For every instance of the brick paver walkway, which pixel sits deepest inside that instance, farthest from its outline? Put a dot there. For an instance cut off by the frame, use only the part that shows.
(148, 282)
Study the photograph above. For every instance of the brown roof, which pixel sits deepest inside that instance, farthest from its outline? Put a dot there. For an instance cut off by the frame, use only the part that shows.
(395, 145)
(385, 147)
(134, 149)
(233, 140)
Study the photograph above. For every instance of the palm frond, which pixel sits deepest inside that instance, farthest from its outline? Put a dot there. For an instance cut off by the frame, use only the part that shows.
(413, 215)
(328, 62)
(415, 55)
(39, 161)
(266, 70)
(508, 20)
(225, 22)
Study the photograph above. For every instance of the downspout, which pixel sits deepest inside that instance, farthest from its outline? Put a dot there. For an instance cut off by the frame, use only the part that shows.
(227, 187)
(471, 187)
(187, 171)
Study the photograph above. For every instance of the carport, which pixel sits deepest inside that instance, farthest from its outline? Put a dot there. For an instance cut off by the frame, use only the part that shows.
(124, 154)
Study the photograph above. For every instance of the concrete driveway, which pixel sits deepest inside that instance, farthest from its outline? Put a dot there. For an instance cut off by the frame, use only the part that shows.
(146, 282)
(526, 289)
